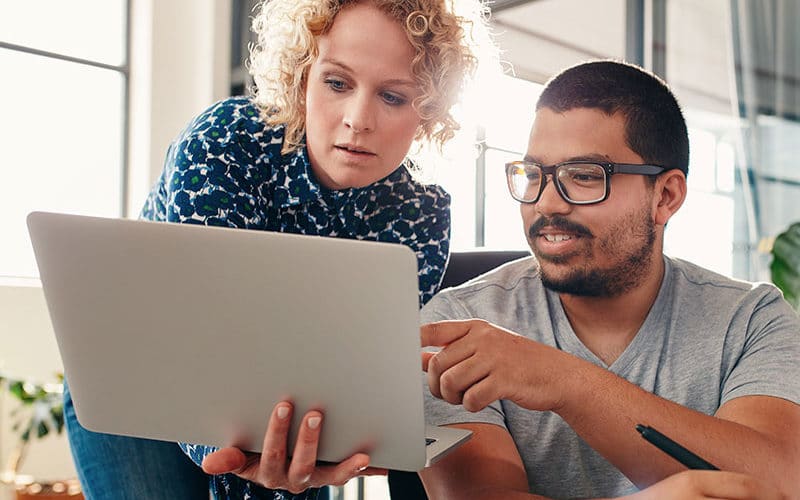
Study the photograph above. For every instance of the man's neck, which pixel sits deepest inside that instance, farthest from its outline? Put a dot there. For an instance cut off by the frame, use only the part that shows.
(606, 325)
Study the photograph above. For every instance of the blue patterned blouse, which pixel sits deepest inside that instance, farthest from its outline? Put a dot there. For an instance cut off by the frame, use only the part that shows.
(226, 169)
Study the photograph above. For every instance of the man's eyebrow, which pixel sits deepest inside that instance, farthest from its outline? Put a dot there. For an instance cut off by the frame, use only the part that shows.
(591, 157)
(392, 81)
(532, 159)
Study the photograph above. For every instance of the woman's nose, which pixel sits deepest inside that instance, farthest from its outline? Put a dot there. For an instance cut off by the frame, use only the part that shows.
(359, 115)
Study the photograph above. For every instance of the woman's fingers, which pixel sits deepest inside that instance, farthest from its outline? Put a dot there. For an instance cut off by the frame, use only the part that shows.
(304, 457)
(224, 460)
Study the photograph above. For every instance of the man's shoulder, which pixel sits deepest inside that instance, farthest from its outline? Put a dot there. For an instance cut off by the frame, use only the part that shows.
(688, 274)
(507, 275)
(701, 289)
(496, 286)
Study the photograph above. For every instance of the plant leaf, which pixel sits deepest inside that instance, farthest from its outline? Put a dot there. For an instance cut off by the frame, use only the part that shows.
(785, 266)
(57, 412)
(42, 430)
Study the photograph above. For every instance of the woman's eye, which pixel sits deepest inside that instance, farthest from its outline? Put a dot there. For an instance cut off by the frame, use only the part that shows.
(393, 99)
(336, 84)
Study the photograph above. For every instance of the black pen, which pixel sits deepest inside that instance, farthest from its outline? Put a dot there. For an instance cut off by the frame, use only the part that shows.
(673, 449)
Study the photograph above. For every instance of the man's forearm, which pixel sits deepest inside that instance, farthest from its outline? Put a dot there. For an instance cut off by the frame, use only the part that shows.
(604, 410)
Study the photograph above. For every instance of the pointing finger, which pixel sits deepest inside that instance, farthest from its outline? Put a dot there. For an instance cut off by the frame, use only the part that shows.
(443, 332)
(426, 358)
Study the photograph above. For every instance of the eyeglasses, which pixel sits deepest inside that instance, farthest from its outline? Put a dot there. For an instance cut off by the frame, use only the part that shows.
(578, 182)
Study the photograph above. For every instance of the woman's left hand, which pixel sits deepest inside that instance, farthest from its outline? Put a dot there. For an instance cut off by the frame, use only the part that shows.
(273, 469)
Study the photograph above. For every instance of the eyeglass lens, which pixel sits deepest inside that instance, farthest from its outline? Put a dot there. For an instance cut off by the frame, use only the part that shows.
(579, 182)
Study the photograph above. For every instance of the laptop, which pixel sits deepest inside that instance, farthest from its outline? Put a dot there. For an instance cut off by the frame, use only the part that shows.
(192, 333)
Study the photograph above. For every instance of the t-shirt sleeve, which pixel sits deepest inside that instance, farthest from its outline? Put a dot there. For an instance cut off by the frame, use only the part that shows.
(769, 363)
(438, 411)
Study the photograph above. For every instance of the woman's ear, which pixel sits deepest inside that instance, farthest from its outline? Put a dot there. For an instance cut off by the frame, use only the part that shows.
(669, 193)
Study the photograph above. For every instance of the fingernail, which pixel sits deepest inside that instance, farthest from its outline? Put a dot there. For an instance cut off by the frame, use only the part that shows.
(313, 422)
(362, 468)
(283, 411)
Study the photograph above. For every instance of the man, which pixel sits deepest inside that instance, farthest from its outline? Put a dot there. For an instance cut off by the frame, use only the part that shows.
(601, 332)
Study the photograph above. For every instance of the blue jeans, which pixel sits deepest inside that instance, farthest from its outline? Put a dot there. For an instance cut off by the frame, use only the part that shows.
(121, 468)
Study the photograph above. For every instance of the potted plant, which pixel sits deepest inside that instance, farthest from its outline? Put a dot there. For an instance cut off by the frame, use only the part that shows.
(785, 266)
(40, 413)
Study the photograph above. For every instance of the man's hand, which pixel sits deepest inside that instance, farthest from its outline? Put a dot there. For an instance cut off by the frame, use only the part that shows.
(272, 469)
(481, 362)
(697, 484)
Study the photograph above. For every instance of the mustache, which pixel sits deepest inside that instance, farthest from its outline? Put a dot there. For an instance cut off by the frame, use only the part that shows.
(558, 222)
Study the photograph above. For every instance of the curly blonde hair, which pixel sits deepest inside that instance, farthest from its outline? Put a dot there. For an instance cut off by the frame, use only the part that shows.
(445, 35)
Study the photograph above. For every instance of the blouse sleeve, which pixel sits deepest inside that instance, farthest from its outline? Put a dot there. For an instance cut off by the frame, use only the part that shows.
(416, 216)
(208, 172)
(432, 243)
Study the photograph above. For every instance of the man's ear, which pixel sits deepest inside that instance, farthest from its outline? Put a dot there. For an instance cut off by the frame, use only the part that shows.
(668, 196)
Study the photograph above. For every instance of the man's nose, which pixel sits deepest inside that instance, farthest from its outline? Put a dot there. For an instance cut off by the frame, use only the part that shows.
(359, 114)
(550, 201)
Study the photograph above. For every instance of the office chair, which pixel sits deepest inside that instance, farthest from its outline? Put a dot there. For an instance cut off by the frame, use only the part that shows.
(462, 267)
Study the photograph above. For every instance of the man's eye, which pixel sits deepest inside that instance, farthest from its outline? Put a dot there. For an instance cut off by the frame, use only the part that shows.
(584, 177)
(533, 176)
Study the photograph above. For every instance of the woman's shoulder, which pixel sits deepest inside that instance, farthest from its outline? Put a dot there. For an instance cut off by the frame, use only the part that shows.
(232, 128)
(233, 117)
(404, 185)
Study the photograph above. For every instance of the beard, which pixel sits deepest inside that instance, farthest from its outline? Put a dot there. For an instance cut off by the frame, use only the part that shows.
(630, 240)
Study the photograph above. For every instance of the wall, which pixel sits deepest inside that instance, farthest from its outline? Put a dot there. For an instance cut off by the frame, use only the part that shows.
(180, 64)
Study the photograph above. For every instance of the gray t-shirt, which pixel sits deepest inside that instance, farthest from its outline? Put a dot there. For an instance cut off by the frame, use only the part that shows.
(707, 339)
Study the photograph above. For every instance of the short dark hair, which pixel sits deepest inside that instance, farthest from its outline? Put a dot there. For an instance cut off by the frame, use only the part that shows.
(655, 128)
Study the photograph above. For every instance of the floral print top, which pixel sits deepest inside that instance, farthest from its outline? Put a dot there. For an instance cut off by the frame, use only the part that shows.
(226, 169)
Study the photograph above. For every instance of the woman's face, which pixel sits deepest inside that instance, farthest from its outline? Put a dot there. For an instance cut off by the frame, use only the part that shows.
(359, 118)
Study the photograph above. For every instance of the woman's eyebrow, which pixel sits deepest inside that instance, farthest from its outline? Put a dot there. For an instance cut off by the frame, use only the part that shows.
(391, 81)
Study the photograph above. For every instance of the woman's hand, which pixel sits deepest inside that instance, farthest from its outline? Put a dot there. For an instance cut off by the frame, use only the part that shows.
(719, 485)
(271, 468)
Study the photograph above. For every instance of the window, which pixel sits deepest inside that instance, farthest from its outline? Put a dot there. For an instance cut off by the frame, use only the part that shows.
(483, 213)
(64, 107)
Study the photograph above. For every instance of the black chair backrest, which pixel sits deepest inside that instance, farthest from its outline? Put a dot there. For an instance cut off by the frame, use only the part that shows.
(462, 267)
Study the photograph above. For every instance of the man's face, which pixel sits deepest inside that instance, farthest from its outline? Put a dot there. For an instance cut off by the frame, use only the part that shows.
(599, 250)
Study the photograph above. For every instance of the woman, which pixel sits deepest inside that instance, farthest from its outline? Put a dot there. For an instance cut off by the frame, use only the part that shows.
(343, 89)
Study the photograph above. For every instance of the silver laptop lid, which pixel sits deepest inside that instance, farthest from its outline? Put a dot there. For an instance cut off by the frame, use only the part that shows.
(193, 333)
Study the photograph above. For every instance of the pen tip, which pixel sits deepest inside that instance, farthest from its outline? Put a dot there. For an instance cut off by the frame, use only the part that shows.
(640, 427)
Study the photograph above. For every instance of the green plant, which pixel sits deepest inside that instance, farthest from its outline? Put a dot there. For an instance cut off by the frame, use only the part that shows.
(785, 267)
(41, 411)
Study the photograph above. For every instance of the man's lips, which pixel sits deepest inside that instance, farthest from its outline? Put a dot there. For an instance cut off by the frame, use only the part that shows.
(557, 229)
(556, 238)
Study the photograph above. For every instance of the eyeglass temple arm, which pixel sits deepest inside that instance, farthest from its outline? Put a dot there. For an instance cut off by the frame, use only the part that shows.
(633, 168)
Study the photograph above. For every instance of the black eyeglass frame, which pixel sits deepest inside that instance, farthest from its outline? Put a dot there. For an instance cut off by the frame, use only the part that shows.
(608, 167)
